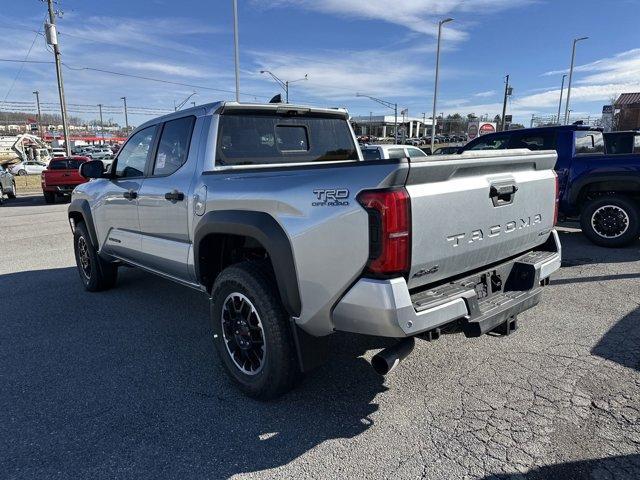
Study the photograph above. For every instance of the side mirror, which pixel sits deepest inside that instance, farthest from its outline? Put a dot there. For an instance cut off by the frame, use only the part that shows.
(92, 169)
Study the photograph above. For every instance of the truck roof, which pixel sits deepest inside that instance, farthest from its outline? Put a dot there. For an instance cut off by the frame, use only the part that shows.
(548, 128)
(222, 106)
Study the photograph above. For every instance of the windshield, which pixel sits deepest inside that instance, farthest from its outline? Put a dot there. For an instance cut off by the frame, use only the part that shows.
(272, 138)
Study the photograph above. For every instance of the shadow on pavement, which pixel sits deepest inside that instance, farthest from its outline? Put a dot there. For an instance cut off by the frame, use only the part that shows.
(621, 344)
(621, 467)
(27, 200)
(578, 250)
(597, 278)
(126, 383)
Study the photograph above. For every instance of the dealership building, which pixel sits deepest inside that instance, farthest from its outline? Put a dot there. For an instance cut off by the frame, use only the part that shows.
(384, 126)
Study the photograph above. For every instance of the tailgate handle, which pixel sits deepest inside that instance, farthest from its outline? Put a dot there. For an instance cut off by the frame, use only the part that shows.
(502, 194)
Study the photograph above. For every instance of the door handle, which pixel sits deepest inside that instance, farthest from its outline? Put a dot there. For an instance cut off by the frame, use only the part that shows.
(174, 196)
(130, 195)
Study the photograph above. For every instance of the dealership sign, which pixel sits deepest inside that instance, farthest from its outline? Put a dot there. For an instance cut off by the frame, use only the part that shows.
(477, 128)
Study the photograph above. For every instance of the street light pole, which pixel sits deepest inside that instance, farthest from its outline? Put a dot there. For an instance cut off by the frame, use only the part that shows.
(284, 84)
(236, 51)
(126, 117)
(392, 106)
(37, 94)
(435, 87)
(504, 104)
(52, 39)
(101, 124)
(573, 57)
(560, 102)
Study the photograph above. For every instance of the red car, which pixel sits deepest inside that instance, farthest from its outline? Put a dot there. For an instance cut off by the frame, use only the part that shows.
(61, 177)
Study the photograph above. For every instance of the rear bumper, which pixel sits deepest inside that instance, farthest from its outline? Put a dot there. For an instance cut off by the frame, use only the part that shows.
(482, 300)
(60, 189)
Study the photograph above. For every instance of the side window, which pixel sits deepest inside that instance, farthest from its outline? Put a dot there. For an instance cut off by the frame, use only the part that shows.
(544, 141)
(492, 143)
(589, 142)
(397, 153)
(416, 152)
(133, 156)
(619, 143)
(173, 148)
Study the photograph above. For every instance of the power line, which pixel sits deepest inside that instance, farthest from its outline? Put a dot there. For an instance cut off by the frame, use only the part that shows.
(21, 66)
(130, 75)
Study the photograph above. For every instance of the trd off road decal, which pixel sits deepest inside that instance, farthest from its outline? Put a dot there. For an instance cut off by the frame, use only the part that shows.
(332, 197)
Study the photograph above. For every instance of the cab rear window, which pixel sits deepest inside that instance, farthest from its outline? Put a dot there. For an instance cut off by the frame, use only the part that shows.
(58, 165)
(265, 138)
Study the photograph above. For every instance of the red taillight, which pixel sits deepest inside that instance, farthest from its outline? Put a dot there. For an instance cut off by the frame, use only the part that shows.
(557, 203)
(389, 230)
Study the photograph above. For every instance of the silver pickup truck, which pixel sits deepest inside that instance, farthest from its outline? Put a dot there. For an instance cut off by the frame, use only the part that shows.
(272, 212)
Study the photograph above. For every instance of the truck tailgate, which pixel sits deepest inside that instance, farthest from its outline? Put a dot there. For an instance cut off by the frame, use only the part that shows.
(475, 209)
(60, 177)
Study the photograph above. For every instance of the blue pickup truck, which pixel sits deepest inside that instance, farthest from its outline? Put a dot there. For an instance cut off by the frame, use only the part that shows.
(598, 176)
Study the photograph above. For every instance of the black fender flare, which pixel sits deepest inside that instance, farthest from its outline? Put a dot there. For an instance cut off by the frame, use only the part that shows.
(263, 228)
(578, 185)
(81, 206)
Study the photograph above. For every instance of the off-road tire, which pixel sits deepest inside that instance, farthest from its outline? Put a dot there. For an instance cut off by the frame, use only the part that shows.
(623, 206)
(279, 371)
(101, 275)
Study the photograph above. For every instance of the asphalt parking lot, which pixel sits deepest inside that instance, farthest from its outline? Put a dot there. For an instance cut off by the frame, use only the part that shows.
(125, 383)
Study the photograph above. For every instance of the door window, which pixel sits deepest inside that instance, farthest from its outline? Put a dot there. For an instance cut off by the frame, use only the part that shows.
(540, 141)
(415, 152)
(589, 142)
(173, 148)
(491, 143)
(371, 154)
(133, 156)
(397, 153)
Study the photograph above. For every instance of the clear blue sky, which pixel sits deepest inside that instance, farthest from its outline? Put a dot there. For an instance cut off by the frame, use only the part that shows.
(377, 47)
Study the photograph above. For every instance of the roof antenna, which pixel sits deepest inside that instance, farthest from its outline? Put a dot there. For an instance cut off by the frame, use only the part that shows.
(276, 99)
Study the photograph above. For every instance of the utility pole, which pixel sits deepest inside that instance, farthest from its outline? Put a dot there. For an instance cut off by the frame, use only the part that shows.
(435, 87)
(573, 57)
(560, 103)
(37, 94)
(236, 53)
(126, 117)
(101, 124)
(507, 93)
(370, 122)
(52, 39)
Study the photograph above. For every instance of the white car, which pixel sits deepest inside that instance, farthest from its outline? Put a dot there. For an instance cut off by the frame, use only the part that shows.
(58, 152)
(384, 152)
(29, 167)
(100, 154)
